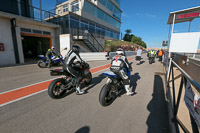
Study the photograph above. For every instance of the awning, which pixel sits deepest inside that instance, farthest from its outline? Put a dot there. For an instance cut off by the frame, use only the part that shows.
(184, 15)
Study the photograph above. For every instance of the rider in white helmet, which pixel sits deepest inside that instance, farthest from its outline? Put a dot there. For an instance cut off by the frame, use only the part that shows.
(119, 62)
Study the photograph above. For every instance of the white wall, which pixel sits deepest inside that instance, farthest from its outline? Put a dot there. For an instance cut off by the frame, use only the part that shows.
(7, 57)
(22, 24)
(64, 43)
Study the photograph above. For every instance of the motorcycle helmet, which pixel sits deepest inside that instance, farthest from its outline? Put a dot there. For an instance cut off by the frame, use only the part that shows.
(120, 51)
(53, 48)
(76, 49)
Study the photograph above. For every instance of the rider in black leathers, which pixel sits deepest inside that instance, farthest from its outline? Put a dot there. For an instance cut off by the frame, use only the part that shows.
(68, 66)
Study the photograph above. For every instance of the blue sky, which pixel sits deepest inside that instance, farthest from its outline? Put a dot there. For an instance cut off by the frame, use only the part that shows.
(147, 18)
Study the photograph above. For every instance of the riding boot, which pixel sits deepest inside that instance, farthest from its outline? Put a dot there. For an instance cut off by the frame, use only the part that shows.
(127, 90)
(78, 90)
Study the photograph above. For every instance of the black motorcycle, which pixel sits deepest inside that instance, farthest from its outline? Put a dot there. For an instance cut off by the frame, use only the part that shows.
(59, 87)
(151, 58)
(111, 89)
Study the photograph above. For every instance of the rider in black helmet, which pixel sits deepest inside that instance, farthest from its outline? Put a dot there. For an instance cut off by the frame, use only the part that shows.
(68, 66)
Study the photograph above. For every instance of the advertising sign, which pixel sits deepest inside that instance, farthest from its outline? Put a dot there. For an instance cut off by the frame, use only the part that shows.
(192, 101)
(188, 15)
(184, 42)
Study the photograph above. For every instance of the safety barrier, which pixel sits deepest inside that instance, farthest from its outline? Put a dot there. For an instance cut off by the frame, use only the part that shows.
(191, 98)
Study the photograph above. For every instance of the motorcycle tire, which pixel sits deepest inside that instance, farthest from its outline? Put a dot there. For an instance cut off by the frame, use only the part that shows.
(88, 79)
(150, 61)
(42, 64)
(54, 89)
(104, 96)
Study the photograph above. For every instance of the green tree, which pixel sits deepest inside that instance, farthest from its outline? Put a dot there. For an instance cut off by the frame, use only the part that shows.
(127, 36)
(138, 41)
(128, 31)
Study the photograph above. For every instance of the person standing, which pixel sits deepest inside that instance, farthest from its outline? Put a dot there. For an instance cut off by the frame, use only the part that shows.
(138, 55)
(160, 54)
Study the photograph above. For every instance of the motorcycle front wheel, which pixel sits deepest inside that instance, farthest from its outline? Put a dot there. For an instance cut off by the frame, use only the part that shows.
(42, 64)
(107, 96)
(55, 89)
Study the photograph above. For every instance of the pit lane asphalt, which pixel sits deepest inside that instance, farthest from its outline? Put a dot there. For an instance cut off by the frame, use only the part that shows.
(144, 112)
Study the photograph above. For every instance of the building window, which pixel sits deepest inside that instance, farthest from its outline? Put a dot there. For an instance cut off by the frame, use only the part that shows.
(91, 27)
(100, 14)
(118, 1)
(103, 2)
(65, 8)
(110, 5)
(75, 6)
(89, 8)
(59, 12)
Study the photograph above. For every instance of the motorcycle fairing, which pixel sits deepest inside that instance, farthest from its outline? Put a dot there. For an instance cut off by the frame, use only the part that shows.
(110, 74)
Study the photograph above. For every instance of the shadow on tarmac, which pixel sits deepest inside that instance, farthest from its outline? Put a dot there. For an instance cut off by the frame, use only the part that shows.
(141, 62)
(133, 84)
(85, 129)
(158, 118)
(133, 81)
(95, 81)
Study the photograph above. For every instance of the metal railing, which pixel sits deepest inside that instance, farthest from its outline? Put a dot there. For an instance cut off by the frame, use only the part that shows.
(81, 34)
(26, 10)
(175, 101)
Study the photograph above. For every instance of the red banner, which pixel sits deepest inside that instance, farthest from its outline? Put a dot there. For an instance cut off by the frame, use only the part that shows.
(189, 15)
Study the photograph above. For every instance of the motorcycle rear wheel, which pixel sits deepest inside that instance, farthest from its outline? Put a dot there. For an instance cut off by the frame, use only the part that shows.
(42, 64)
(55, 90)
(107, 96)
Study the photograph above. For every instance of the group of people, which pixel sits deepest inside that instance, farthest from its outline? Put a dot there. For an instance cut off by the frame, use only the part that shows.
(158, 54)
(118, 63)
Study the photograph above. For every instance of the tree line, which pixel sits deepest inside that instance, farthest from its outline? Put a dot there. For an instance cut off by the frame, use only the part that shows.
(134, 39)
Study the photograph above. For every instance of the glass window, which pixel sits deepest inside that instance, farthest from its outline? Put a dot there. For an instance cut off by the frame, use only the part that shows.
(118, 1)
(107, 33)
(103, 2)
(59, 12)
(89, 8)
(100, 14)
(98, 29)
(84, 25)
(110, 5)
(103, 31)
(117, 13)
(74, 23)
(65, 7)
(75, 6)
(108, 19)
(91, 27)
